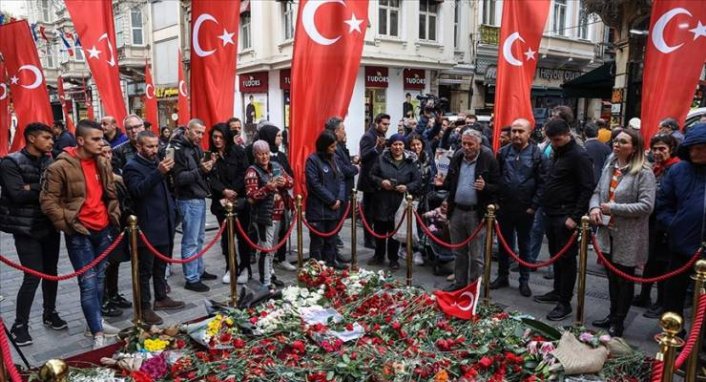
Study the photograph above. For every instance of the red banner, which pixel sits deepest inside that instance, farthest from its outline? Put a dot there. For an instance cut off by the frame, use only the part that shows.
(213, 58)
(93, 21)
(151, 115)
(4, 111)
(461, 303)
(183, 101)
(328, 44)
(521, 31)
(674, 58)
(29, 89)
(64, 105)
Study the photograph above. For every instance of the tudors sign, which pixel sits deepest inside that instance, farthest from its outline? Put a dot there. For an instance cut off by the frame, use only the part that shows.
(376, 77)
(254, 82)
(285, 79)
(414, 79)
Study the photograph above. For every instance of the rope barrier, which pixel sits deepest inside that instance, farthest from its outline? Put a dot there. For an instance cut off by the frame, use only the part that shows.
(693, 334)
(374, 234)
(170, 260)
(7, 357)
(444, 244)
(550, 261)
(637, 279)
(657, 371)
(79, 272)
(263, 249)
(335, 230)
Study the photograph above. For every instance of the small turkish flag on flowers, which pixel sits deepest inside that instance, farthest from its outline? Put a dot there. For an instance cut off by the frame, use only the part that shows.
(461, 303)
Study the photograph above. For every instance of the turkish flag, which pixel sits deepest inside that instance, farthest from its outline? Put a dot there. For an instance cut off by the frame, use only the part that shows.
(93, 21)
(4, 111)
(461, 303)
(29, 90)
(183, 100)
(150, 101)
(521, 32)
(674, 58)
(328, 44)
(214, 48)
(67, 112)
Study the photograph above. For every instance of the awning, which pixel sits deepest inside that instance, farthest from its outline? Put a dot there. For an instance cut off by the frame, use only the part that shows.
(598, 83)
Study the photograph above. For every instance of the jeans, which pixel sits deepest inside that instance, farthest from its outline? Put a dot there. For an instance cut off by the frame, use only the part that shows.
(82, 250)
(40, 254)
(323, 248)
(512, 222)
(266, 238)
(469, 258)
(193, 225)
(391, 245)
(155, 269)
(537, 235)
(565, 267)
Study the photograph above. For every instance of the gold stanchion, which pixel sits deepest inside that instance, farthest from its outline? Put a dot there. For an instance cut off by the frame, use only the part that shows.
(135, 266)
(232, 259)
(410, 241)
(489, 224)
(668, 341)
(354, 230)
(583, 263)
(300, 238)
(699, 290)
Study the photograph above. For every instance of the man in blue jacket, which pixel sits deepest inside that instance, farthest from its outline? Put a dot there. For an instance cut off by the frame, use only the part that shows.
(680, 208)
(145, 178)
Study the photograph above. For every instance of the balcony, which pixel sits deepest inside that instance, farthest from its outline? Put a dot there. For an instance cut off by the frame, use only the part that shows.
(489, 34)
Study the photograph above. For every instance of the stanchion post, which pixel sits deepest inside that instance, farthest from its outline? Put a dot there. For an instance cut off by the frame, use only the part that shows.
(300, 237)
(699, 290)
(410, 239)
(489, 224)
(669, 342)
(135, 266)
(583, 263)
(354, 230)
(232, 259)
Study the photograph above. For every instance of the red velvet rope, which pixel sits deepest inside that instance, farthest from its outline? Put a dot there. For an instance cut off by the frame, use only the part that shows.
(7, 357)
(637, 279)
(526, 264)
(374, 234)
(263, 249)
(444, 244)
(170, 260)
(693, 334)
(335, 230)
(657, 371)
(79, 272)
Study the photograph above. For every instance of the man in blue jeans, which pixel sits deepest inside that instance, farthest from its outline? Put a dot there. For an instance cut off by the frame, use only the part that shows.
(190, 170)
(79, 197)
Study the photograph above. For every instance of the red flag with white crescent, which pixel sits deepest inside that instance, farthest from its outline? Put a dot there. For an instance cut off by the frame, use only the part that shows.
(461, 303)
(214, 48)
(93, 21)
(4, 110)
(521, 32)
(328, 44)
(674, 58)
(150, 101)
(64, 105)
(183, 100)
(29, 90)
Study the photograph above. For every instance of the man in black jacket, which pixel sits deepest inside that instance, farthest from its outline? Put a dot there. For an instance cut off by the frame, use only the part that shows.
(568, 189)
(347, 167)
(36, 240)
(127, 150)
(62, 138)
(372, 144)
(472, 182)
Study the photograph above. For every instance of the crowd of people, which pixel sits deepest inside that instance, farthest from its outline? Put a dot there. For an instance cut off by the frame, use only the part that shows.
(645, 201)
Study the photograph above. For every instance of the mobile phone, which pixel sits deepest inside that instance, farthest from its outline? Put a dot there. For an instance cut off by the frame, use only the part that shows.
(170, 153)
(207, 156)
(276, 171)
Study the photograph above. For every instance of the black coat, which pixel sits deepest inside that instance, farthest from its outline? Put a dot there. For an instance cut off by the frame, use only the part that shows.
(228, 173)
(487, 167)
(326, 184)
(368, 157)
(598, 151)
(349, 171)
(189, 180)
(153, 204)
(64, 140)
(121, 155)
(569, 182)
(522, 178)
(385, 203)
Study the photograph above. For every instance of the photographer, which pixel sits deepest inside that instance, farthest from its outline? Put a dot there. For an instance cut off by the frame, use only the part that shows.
(432, 108)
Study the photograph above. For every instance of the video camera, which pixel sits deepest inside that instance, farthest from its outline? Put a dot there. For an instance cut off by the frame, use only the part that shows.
(429, 103)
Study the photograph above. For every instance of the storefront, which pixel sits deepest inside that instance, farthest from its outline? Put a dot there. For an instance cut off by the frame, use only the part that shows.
(285, 84)
(414, 81)
(377, 80)
(167, 101)
(253, 89)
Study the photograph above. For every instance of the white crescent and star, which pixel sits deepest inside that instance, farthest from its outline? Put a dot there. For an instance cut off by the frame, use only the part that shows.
(104, 36)
(37, 77)
(308, 21)
(471, 298)
(507, 49)
(226, 37)
(182, 88)
(658, 30)
(3, 86)
(147, 91)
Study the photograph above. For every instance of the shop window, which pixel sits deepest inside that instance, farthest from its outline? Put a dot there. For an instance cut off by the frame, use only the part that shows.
(389, 17)
(245, 31)
(375, 102)
(427, 19)
(489, 12)
(559, 22)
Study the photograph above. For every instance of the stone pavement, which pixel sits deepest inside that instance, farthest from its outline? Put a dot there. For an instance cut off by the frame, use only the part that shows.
(51, 344)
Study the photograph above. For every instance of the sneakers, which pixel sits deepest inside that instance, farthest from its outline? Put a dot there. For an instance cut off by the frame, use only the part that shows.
(243, 278)
(168, 304)
(418, 258)
(547, 298)
(197, 286)
(20, 335)
(451, 277)
(120, 301)
(286, 265)
(149, 317)
(208, 276)
(560, 312)
(109, 310)
(108, 330)
(98, 342)
(226, 278)
(52, 320)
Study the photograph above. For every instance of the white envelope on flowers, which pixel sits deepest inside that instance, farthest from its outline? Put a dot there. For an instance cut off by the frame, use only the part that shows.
(319, 315)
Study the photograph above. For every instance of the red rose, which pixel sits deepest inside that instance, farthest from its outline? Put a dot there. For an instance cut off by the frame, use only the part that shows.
(238, 343)
(485, 362)
(299, 346)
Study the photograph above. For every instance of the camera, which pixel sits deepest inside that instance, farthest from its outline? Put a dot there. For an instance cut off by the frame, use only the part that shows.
(431, 103)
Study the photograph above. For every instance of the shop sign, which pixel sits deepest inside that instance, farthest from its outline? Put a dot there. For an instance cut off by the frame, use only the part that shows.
(414, 79)
(285, 79)
(254, 82)
(166, 92)
(617, 96)
(376, 77)
(560, 75)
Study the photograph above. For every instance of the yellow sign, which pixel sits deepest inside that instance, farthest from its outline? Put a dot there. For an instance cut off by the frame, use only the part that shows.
(166, 92)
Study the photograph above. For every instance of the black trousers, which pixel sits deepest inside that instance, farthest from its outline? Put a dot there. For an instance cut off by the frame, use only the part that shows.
(323, 248)
(155, 269)
(657, 264)
(564, 268)
(621, 292)
(119, 255)
(392, 245)
(677, 286)
(243, 249)
(367, 210)
(40, 254)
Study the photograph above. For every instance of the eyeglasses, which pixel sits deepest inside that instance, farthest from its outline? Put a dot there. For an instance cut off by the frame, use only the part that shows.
(130, 128)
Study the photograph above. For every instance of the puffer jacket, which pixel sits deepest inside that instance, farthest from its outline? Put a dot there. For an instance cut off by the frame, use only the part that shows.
(64, 192)
(385, 203)
(522, 178)
(20, 212)
(326, 184)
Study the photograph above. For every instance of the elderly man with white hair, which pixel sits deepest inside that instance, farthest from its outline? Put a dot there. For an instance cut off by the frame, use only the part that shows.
(473, 182)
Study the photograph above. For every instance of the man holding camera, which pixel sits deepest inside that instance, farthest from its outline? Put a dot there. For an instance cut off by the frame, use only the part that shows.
(372, 145)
